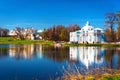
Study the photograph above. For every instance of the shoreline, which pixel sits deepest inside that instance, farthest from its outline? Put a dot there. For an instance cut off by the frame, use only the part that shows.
(9, 40)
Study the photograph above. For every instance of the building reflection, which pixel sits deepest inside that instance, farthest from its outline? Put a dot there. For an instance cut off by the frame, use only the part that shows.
(39, 50)
(25, 51)
(86, 55)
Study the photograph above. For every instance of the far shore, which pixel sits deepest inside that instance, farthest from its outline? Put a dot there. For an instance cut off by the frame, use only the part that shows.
(9, 40)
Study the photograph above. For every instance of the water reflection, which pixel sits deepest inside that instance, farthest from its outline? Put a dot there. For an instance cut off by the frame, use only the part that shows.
(96, 56)
(4, 52)
(36, 60)
(25, 51)
(85, 56)
(56, 54)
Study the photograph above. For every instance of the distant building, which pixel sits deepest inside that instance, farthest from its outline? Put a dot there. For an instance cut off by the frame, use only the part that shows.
(28, 33)
(37, 34)
(12, 33)
(88, 34)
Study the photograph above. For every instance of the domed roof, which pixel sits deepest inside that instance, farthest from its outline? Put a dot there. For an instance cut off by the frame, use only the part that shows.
(87, 27)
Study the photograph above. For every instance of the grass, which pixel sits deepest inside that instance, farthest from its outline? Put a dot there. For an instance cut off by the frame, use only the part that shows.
(112, 77)
(74, 74)
(10, 40)
(96, 44)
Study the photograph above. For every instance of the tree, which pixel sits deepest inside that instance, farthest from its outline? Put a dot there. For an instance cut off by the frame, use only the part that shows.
(109, 33)
(59, 32)
(44, 34)
(64, 35)
(111, 18)
(4, 32)
(72, 28)
(118, 33)
(24, 33)
(118, 18)
(20, 33)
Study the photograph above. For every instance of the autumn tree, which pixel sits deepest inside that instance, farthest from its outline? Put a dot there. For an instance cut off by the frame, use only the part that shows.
(54, 32)
(118, 33)
(59, 32)
(72, 28)
(109, 35)
(118, 28)
(110, 21)
(64, 35)
(44, 34)
(118, 18)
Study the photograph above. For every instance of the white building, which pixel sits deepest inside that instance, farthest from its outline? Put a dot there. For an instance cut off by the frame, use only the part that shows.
(12, 33)
(88, 34)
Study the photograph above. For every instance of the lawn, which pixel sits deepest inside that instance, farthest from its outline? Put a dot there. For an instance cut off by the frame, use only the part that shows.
(10, 40)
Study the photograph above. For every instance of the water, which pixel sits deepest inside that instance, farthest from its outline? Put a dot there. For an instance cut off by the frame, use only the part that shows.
(40, 62)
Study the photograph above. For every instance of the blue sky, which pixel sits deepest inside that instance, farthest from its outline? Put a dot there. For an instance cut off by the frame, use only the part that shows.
(42, 14)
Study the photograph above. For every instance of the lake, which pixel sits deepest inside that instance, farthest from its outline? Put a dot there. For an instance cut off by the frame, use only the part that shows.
(43, 62)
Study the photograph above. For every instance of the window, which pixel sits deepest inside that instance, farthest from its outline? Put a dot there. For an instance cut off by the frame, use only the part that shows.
(86, 33)
(78, 32)
(90, 38)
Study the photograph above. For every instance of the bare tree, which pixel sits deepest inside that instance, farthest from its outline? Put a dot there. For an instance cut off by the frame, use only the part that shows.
(111, 19)
(72, 28)
(118, 18)
(24, 33)
(4, 32)
(20, 33)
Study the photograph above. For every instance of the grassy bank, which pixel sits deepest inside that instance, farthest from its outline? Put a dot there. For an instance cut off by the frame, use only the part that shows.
(91, 77)
(96, 44)
(9, 40)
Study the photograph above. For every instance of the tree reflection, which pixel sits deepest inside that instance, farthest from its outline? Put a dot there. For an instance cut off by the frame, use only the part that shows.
(4, 52)
(87, 56)
(109, 56)
(56, 54)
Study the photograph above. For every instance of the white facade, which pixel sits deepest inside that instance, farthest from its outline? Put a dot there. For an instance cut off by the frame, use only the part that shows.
(87, 34)
(12, 33)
